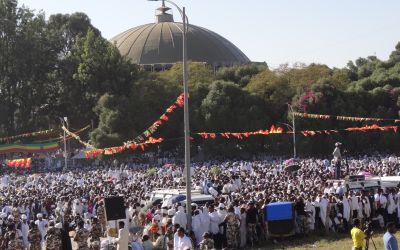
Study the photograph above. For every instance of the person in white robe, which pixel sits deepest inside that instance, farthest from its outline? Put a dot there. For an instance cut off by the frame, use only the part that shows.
(346, 209)
(205, 221)
(391, 206)
(25, 230)
(123, 237)
(180, 217)
(323, 206)
(196, 226)
(42, 226)
(309, 207)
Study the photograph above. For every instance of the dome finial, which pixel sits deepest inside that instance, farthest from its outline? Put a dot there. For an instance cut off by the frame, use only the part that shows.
(162, 15)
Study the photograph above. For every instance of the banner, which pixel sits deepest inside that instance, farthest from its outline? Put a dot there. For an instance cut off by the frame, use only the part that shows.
(342, 118)
(19, 163)
(29, 148)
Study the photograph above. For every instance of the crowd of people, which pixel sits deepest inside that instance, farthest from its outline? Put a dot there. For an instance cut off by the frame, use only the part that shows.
(56, 210)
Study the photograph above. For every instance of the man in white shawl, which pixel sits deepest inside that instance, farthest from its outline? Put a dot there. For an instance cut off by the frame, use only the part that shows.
(180, 217)
(323, 206)
(310, 209)
(77, 208)
(205, 221)
(391, 206)
(196, 226)
(346, 210)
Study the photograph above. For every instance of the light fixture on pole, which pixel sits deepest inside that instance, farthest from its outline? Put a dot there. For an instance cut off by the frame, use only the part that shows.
(185, 23)
(64, 123)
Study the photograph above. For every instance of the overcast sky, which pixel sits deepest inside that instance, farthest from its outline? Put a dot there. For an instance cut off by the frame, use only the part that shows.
(275, 31)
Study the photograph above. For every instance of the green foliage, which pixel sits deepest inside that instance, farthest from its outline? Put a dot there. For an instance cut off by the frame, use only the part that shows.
(151, 172)
(62, 66)
(240, 74)
(215, 170)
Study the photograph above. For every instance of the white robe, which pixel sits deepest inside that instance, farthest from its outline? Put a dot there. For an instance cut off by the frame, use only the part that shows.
(123, 239)
(323, 205)
(205, 221)
(398, 204)
(311, 217)
(196, 227)
(367, 207)
(391, 204)
(25, 232)
(180, 217)
(346, 209)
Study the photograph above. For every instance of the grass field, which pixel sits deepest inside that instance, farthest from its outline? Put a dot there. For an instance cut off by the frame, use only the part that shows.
(329, 242)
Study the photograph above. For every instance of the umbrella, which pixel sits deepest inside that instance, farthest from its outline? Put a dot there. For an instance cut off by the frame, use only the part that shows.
(291, 165)
(365, 173)
(169, 165)
(134, 230)
(289, 162)
(173, 200)
(292, 168)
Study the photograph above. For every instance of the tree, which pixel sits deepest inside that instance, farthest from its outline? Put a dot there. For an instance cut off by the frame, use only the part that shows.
(115, 123)
(240, 75)
(229, 108)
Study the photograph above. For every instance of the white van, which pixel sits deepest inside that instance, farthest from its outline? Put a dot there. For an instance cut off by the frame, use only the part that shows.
(161, 195)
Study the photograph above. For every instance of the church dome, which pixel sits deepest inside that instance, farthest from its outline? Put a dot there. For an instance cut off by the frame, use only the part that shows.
(160, 43)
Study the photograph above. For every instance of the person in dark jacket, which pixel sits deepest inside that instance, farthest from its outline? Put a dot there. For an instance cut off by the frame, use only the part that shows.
(66, 240)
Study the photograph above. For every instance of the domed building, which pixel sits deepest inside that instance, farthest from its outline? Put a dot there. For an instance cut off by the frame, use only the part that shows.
(157, 46)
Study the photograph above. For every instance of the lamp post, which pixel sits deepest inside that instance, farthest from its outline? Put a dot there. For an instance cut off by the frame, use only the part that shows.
(64, 123)
(290, 108)
(185, 23)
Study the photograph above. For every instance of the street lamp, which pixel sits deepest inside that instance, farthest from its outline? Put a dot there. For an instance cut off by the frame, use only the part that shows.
(290, 108)
(185, 22)
(64, 123)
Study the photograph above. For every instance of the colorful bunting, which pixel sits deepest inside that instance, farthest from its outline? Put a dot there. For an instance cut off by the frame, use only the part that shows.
(242, 135)
(76, 137)
(279, 130)
(27, 135)
(19, 163)
(163, 118)
(342, 118)
(114, 150)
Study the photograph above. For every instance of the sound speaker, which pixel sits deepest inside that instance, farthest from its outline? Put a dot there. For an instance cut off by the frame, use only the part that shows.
(115, 208)
(280, 218)
(281, 227)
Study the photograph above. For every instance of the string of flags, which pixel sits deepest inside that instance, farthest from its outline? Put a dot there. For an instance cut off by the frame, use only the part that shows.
(28, 135)
(114, 150)
(243, 135)
(163, 118)
(342, 118)
(145, 139)
(360, 129)
(279, 130)
(19, 163)
(76, 137)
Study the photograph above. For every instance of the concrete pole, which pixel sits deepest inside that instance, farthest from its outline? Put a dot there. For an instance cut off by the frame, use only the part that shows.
(186, 126)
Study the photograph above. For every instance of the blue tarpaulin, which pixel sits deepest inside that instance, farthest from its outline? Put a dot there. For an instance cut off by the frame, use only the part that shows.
(279, 211)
